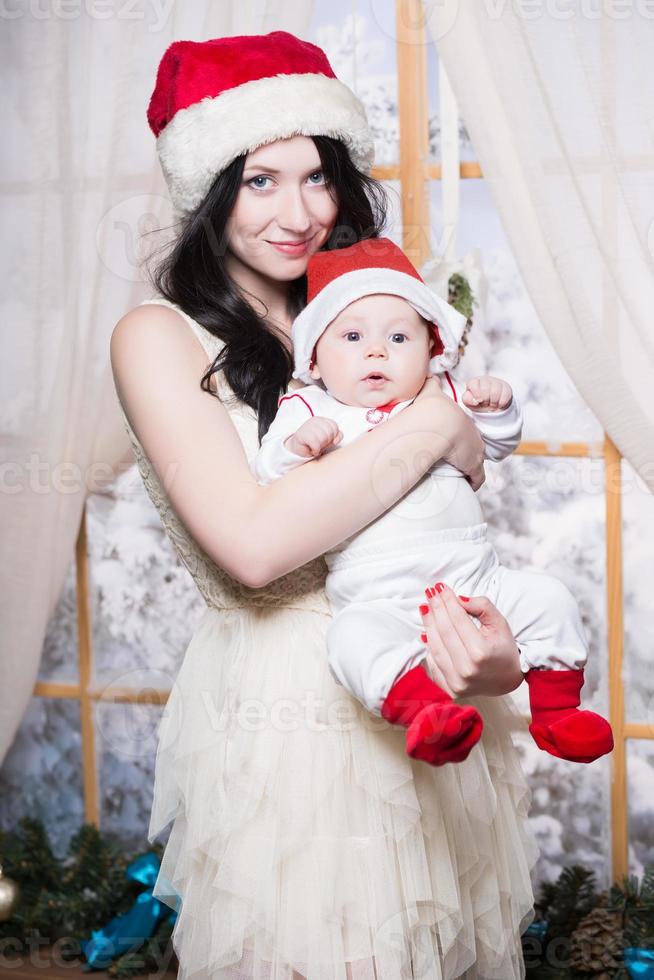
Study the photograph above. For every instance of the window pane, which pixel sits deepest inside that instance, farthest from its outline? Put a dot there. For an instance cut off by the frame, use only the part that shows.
(640, 794)
(507, 338)
(547, 515)
(394, 213)
(569, 814)
(361, 50)
(41, 776)
(59, 656)
(466, 149)
(126, 740)
(145, 604)
(638, 524)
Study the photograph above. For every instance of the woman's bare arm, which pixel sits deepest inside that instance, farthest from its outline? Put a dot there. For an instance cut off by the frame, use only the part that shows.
(258, 533)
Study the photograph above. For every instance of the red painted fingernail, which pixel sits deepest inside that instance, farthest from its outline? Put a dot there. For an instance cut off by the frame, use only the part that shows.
(423, 637)
(465, 598)
(428, 593)
(439, 586)
(423, 610)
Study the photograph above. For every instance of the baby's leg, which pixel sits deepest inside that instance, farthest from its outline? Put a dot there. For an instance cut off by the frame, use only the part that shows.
(374, 651)
(369, 645)
(545, 620)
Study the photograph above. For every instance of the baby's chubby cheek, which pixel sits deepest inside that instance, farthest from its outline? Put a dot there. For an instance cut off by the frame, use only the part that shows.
(340, 376)
(348, 390)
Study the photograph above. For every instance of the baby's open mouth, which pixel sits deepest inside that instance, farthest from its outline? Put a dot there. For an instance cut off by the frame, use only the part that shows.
(375, 376)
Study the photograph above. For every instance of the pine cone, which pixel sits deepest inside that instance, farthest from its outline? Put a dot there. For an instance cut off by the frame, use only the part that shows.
(596, 945)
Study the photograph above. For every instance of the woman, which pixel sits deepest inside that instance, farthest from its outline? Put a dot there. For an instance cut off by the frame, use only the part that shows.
(305, 843)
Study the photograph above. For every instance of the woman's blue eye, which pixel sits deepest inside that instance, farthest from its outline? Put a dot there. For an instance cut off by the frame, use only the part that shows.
(262, 177)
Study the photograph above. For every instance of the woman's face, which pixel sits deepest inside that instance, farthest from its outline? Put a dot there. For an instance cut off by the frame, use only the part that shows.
(283, 211)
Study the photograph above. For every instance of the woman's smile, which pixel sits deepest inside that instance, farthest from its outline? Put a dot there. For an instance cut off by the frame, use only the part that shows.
(292, 248)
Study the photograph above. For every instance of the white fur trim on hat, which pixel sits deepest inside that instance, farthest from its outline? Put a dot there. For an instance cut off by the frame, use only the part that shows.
(201, 140)
(340, 292)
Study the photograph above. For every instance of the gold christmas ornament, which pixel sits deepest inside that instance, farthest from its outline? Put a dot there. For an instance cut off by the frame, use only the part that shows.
(9, 895)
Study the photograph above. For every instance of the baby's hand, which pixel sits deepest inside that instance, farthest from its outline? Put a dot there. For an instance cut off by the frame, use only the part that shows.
(313, 437)
(486, 394)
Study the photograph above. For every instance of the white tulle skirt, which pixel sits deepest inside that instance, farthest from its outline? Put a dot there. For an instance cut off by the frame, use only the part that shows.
(305, 839)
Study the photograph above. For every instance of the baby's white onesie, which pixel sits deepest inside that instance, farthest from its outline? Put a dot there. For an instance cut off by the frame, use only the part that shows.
(435, 533)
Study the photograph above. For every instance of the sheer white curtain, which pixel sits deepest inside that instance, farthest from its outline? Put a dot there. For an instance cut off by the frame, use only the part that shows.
(80, 182)
(559, 103)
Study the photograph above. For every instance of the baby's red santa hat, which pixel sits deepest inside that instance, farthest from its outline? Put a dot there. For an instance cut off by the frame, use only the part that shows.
(215, 100)
(375, 265)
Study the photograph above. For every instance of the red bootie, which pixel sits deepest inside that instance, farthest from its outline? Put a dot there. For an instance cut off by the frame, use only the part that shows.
(557, 724)
(438, 730)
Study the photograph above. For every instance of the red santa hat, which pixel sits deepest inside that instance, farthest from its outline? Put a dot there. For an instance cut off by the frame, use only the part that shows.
(215, 100)
(375, 265)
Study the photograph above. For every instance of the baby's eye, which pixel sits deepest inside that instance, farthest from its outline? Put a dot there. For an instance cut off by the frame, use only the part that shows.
(402, 335)
(251, 182)
(352, 333)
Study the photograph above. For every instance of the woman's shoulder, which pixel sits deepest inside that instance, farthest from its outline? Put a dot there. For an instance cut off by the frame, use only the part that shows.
(157, 331)
(150, 308)
(157, 315)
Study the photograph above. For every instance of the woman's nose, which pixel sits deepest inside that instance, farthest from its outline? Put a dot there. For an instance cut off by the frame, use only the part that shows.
(293, 215)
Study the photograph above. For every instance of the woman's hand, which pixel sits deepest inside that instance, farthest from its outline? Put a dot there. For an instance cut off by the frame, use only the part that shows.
(439, 412)
(464, 659)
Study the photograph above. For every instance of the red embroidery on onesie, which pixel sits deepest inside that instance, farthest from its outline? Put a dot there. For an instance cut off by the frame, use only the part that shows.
(451, 386)
(385, 409)
(388, 406)
(285, 397)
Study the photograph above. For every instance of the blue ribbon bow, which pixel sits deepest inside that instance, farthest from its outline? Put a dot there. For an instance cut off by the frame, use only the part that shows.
(538, 929)
(129, 931)
(639, 962)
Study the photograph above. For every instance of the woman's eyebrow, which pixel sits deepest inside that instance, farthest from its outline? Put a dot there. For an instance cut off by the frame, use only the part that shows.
(260, 166)
(273, 170)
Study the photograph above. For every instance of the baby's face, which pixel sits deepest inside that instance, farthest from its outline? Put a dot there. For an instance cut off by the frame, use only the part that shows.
(376, 335)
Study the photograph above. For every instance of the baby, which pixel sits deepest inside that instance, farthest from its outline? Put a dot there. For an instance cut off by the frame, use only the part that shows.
(371, 332)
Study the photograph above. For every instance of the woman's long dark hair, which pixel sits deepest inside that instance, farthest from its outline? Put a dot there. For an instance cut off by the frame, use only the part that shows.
(257, 363)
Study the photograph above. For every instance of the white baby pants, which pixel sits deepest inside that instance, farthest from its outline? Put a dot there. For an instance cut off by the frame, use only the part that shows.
(375, 590)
